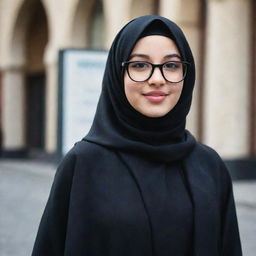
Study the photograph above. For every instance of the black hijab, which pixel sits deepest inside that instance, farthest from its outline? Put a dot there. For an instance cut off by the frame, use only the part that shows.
(117, 125)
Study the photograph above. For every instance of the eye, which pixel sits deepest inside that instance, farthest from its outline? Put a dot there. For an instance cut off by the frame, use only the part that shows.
(172, 66)
(139, 65)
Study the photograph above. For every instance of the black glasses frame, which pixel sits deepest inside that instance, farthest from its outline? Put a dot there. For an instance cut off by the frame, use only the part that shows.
(160, 66)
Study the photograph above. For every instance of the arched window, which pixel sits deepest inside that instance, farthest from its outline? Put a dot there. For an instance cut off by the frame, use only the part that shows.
(29, 40)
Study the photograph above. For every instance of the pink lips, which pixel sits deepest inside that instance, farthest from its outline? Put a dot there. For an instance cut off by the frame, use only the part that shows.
(155, 96)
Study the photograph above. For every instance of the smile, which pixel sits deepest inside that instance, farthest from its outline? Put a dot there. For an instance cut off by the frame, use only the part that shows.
(155, 96)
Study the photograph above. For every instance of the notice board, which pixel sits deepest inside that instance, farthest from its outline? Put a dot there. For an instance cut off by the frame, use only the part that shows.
(80, 81)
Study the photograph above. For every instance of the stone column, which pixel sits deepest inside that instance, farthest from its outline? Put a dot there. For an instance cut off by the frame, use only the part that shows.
(59, 17)
(226, 98)
(13, 110)
(51, 68)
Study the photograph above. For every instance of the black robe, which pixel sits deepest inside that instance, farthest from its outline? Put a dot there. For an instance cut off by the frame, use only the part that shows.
(109, 196)
(97, 209)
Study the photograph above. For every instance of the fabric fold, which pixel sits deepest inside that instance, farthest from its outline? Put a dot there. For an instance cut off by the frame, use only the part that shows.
(166, 202)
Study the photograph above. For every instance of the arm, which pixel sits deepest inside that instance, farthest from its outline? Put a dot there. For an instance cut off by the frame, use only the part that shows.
(51, 234)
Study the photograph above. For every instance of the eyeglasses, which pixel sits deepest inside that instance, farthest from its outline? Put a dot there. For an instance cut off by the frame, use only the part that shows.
(141, 71)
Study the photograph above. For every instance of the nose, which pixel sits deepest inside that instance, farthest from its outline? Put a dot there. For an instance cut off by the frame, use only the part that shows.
(156, 78)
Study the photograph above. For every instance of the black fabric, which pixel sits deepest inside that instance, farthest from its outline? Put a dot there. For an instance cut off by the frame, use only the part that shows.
(156, 29)
(118, 125)
(99, 206)
(168, 205)
(110, 195)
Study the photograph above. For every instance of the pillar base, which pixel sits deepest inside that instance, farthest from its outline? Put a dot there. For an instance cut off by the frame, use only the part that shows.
(242, 169)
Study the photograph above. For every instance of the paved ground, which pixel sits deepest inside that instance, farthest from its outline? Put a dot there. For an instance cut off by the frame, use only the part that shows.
(24, 188)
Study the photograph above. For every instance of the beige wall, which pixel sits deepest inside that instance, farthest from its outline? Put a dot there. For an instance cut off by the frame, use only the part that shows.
(226, 83)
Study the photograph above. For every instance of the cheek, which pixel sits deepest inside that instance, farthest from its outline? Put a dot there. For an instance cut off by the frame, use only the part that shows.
(177, 90)
(131, 89)
(175, 94)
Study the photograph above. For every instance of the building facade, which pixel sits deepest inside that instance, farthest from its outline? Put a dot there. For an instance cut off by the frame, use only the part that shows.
(220, 32)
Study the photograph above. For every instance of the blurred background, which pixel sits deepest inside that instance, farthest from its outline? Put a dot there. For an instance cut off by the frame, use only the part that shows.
(222, 35)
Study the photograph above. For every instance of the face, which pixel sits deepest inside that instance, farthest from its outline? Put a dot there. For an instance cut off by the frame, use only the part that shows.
(156, 96)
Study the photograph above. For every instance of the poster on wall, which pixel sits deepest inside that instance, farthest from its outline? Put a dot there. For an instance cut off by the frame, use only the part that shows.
(80, 81)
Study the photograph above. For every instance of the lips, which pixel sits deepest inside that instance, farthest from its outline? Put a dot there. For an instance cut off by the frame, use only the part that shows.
(155, 96)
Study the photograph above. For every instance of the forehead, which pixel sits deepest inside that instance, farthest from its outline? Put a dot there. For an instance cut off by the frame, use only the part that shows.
(155, 45)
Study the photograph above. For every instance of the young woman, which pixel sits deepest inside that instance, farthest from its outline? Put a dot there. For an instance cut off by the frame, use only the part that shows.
(139, 183)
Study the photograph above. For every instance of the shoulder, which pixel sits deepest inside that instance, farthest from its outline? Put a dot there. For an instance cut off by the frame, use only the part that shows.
(87, 154)
(206, 167)
(87, 150)
(83, 149)
(209, 162)
(83, 155)
(205, 154)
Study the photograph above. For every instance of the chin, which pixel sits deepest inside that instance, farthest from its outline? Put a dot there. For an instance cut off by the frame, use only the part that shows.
(155, 111)
(155, 114)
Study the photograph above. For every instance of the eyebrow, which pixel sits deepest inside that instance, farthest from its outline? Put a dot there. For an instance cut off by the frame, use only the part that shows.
(139, 55)
(174, 55)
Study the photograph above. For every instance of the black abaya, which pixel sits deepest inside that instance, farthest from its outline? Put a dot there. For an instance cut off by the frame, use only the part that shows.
(97, 208)
(137, 185)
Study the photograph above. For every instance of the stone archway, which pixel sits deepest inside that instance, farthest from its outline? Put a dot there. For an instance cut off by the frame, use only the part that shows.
(22, 100)
(97, 29)
(88, 25)
(144, 7)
